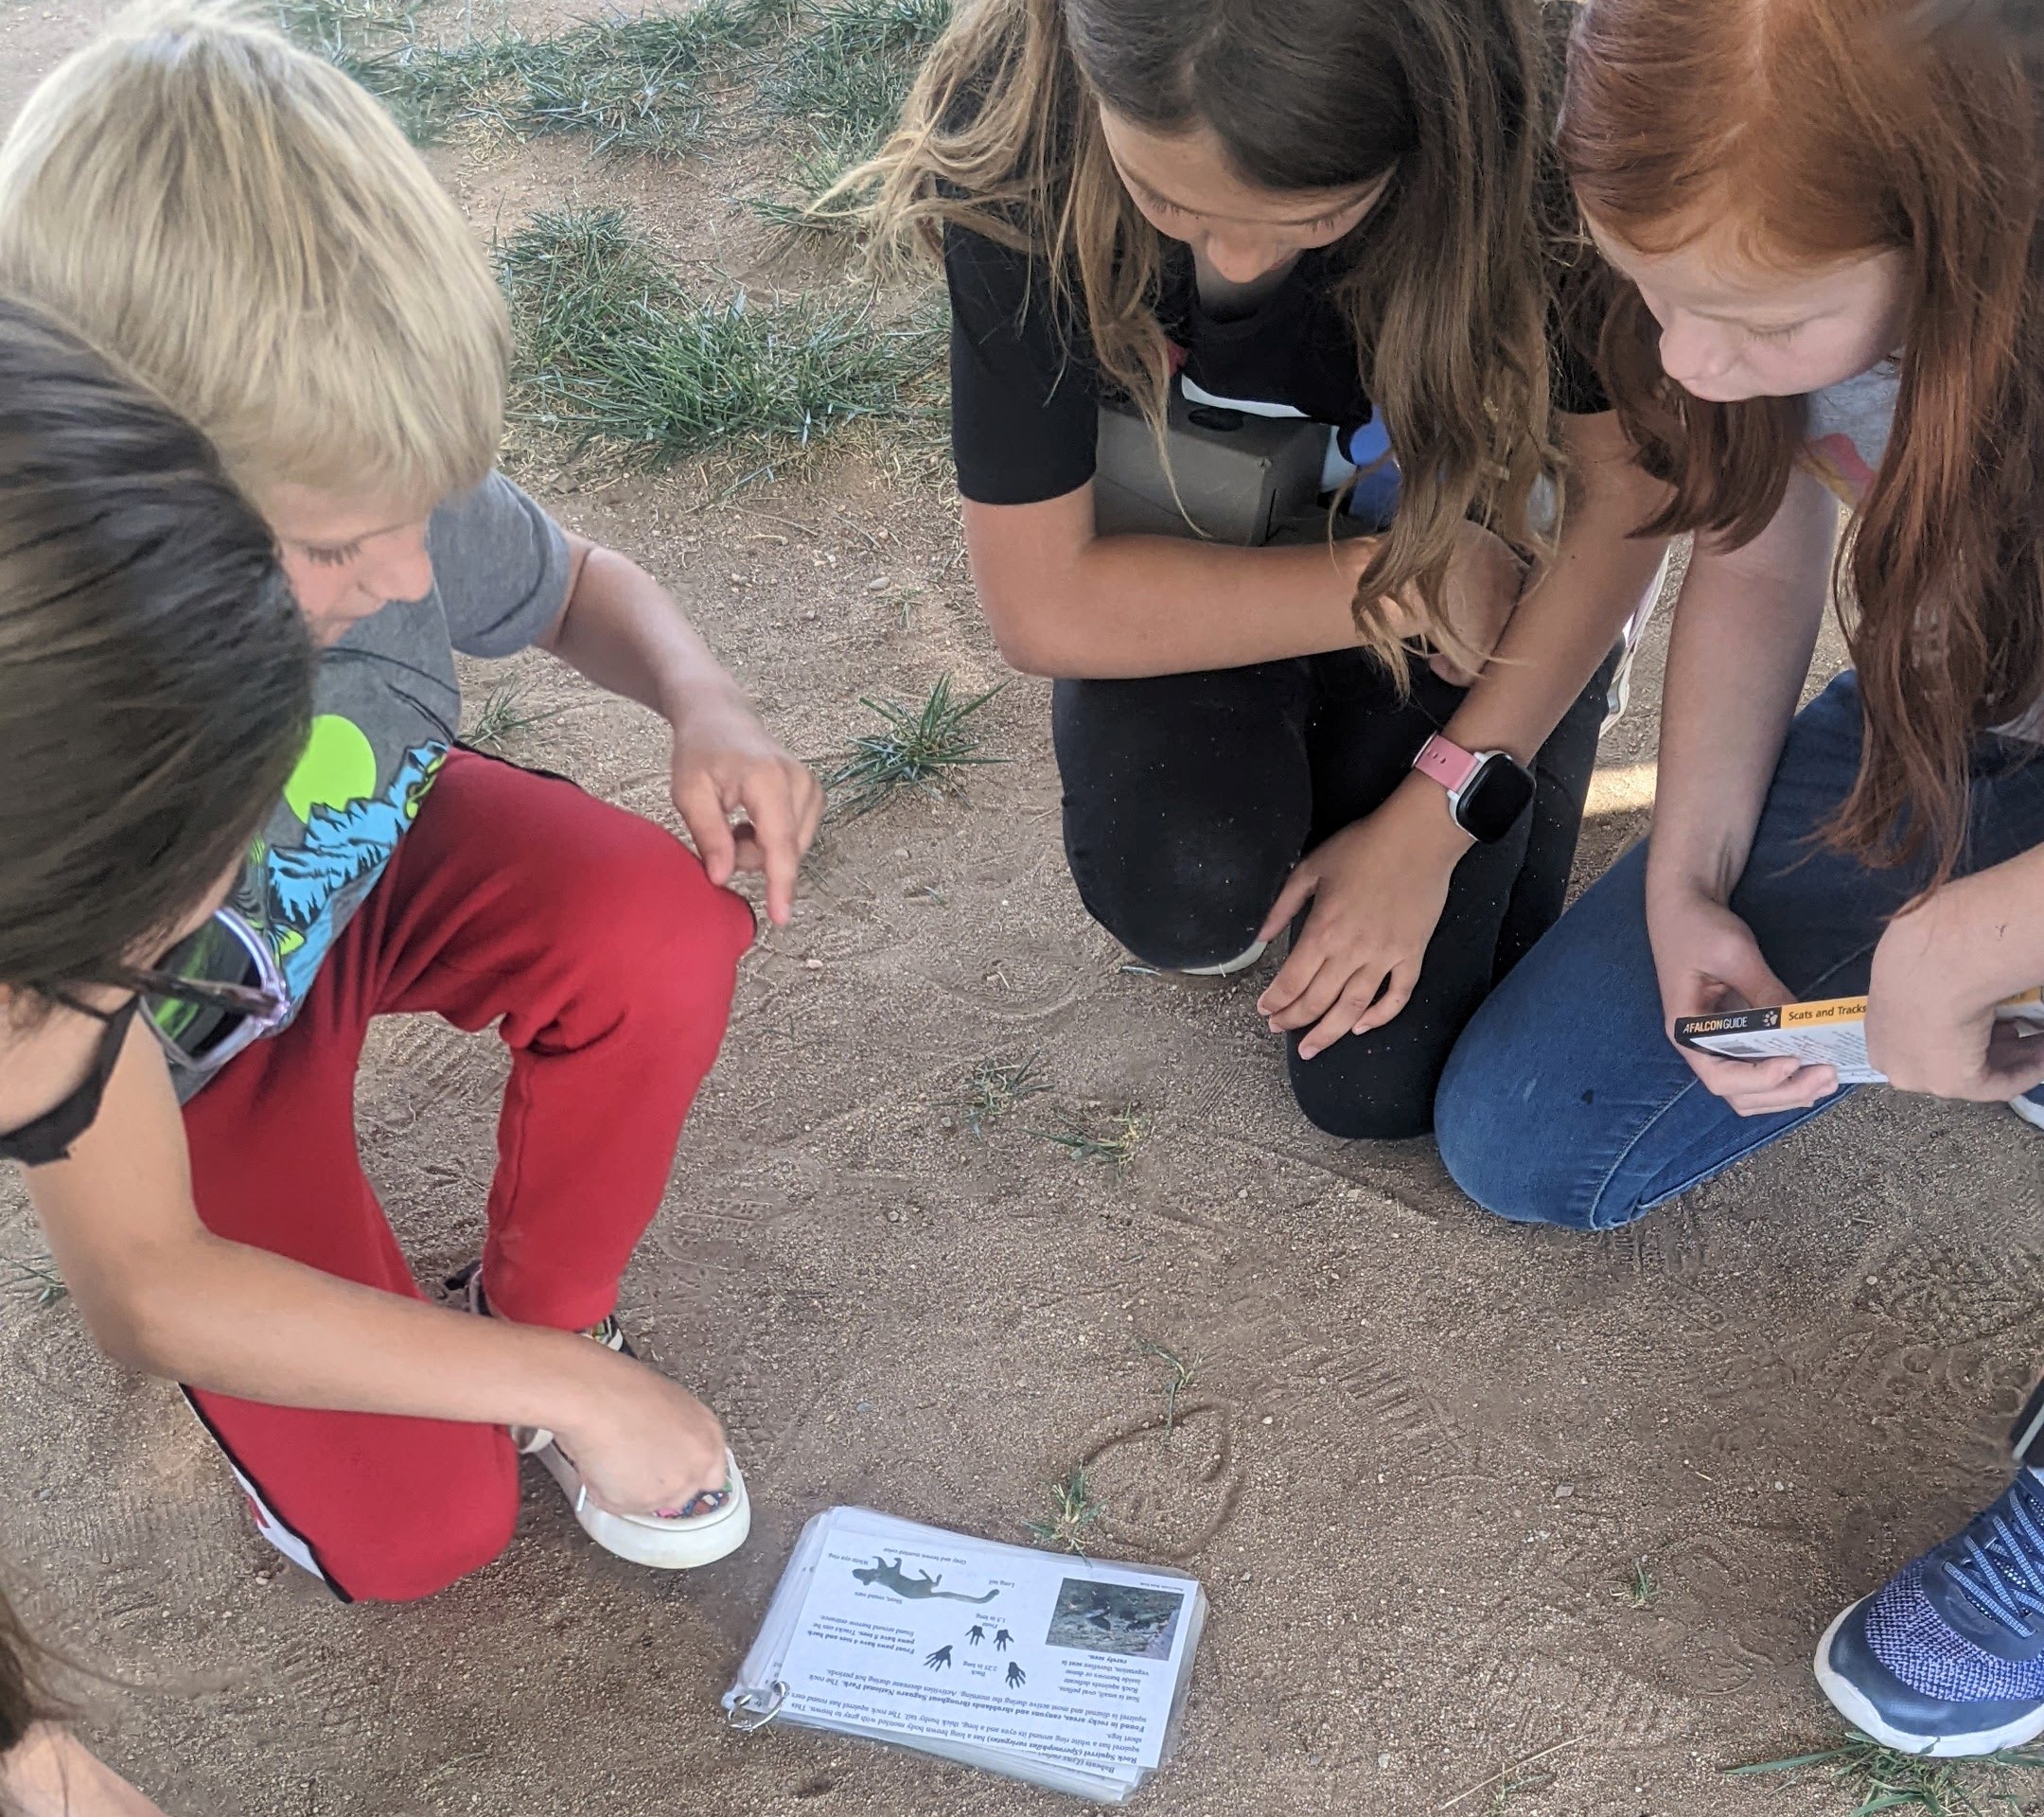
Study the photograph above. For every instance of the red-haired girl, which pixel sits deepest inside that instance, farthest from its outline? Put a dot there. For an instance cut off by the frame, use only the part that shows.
(1827, 211)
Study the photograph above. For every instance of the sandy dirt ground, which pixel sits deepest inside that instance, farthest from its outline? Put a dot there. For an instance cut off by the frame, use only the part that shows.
(1421, 1452)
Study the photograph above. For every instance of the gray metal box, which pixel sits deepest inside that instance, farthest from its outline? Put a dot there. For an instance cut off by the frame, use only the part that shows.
(1239, 478)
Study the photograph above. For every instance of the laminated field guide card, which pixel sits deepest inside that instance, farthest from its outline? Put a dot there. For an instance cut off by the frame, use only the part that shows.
(1066, 1672)
(1831, 1033)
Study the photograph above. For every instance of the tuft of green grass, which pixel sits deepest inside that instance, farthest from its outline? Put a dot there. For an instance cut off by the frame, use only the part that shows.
(1639, 1587)
(504, 714)
(613, 351)
(840, 82)
(919, 747)
(1182, 1375)
(1073, 1508)
(994, 1087)
(357, 37)
(636, 86)
(1880, 1780)
(37, 1280)
(1114, 1145)
(904, 599)
(831, 74)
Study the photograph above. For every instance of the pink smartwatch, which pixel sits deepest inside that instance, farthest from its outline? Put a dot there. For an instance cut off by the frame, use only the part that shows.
(1488, 790)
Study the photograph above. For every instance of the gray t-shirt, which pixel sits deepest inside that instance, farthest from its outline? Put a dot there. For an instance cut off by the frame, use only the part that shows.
(1846, 434)
(1846, 437)
(386, 707)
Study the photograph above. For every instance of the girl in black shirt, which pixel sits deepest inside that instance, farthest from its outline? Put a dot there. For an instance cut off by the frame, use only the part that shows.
(1318, 209)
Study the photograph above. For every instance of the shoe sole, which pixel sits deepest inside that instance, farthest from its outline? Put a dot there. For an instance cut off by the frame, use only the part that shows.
(2029, 1110)
(1851, 1702)
(666, 1546)
(1229, 967)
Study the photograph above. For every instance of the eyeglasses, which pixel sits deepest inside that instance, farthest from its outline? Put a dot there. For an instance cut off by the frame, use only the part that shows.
(215, 994)
(198, 1003)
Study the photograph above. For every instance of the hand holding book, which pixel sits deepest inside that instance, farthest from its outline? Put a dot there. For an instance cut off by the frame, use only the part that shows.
(1833, 1033)
(1709, 964)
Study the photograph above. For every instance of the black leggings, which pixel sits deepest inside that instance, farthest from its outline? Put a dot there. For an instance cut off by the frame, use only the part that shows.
(1189, 798)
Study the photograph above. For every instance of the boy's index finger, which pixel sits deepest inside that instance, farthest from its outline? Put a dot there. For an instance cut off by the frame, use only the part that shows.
(701, 808)
(773, 826)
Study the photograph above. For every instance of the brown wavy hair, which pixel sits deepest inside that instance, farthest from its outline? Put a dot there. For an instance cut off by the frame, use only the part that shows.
(24, 1702)
(1826, 130)
(1443, 283)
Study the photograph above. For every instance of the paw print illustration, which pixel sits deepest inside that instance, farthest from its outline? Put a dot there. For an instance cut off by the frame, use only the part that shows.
(939, 1660)
(1017, 1676)
(976, 1632)
(1002, 1640)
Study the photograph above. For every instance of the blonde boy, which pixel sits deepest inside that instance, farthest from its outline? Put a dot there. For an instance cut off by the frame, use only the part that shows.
(245, 229)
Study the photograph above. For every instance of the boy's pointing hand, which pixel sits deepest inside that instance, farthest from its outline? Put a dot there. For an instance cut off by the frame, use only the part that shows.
(747, 802)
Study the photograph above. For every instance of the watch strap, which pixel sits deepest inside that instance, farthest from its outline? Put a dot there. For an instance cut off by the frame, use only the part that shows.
(1447, 763)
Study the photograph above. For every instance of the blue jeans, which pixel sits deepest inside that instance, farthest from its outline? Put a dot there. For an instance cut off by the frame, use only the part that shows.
(1565, 1102)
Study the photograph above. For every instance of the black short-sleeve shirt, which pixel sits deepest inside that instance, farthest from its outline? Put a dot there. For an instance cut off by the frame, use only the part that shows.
(1025, 397)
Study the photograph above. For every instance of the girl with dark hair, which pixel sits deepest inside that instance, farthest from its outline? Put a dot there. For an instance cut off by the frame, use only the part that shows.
(44, 1770)
(1227, 213)
(155, 688)
(154, 694)
(1828, 211)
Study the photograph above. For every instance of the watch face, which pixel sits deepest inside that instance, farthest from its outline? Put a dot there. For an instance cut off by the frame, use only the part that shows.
(1494, 799)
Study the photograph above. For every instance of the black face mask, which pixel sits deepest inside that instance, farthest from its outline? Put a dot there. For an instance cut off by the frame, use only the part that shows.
(49, 1138)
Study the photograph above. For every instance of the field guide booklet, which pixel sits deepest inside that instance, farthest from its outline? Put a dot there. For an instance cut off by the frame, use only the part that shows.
(1831, 1033)
(1066, 1672)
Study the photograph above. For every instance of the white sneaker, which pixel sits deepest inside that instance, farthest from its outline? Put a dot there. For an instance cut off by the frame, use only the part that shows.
(1229, 967)
(2029, 1110)
(714, 1524)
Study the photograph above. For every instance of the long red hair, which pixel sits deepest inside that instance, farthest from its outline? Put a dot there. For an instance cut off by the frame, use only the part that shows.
(1825, 128)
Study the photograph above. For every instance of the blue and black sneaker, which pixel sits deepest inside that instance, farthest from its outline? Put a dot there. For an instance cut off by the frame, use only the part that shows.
(1947, 1656)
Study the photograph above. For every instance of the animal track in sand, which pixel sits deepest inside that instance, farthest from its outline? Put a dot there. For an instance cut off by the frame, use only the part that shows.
(1167, 1496)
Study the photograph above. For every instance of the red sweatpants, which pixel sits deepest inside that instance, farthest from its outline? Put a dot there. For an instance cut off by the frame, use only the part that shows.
(609, 957)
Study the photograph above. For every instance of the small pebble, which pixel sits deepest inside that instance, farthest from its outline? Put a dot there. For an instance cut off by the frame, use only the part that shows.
(879, 585)
(893, 1217)
(1383, 1763)
(813, 964)
(1266, 1419)
(1563, 1490)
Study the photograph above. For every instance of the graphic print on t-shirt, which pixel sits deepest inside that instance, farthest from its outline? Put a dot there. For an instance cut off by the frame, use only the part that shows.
(351, 826)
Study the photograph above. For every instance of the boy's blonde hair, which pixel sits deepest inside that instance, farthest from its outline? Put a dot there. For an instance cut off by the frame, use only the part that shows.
(248, 232)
